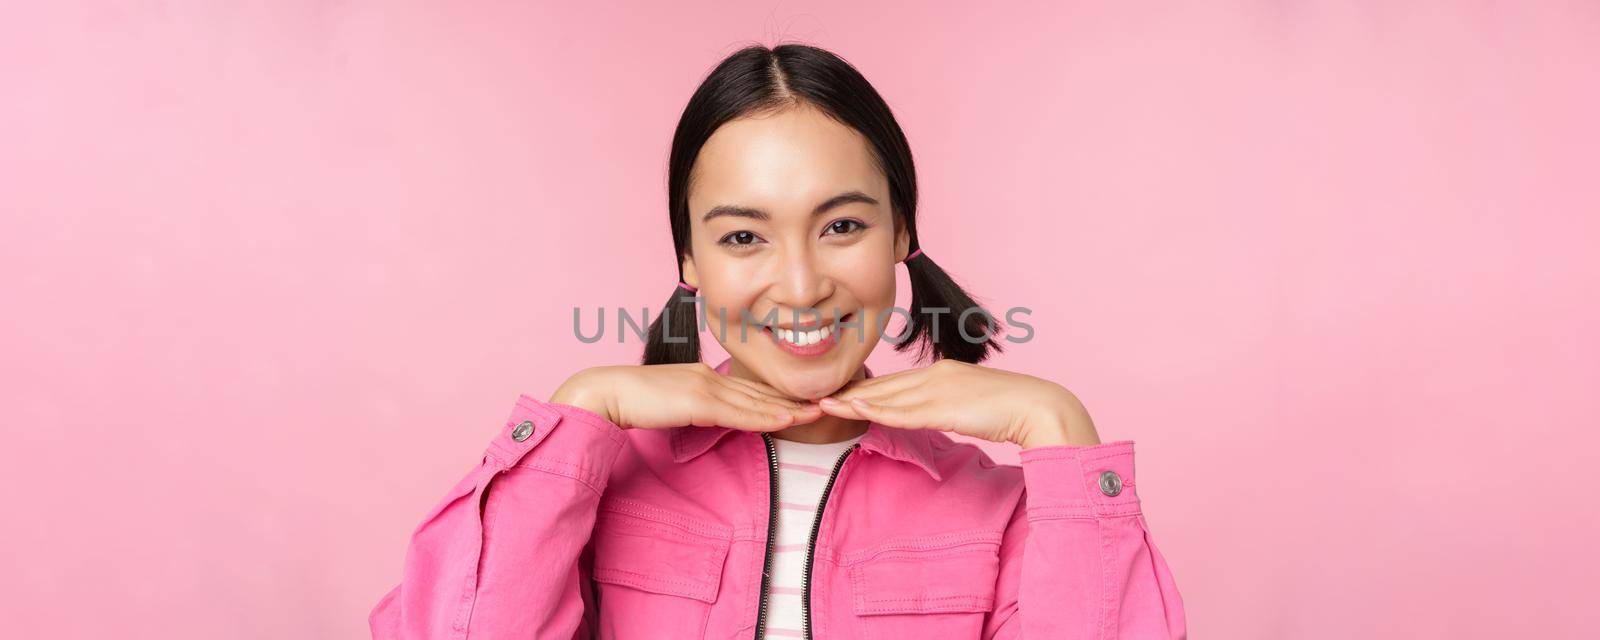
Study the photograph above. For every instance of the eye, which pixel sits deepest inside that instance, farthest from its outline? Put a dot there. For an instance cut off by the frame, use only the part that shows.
(845, 226)
(739, 238)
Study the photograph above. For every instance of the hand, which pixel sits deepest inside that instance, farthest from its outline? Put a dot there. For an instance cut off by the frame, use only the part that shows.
(658, 396)
(985, 403)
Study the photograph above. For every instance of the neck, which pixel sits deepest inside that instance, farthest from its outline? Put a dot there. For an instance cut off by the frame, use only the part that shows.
(828, 428)
(825, 430)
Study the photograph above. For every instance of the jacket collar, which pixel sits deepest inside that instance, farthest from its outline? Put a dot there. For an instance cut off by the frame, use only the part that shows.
(906, 445)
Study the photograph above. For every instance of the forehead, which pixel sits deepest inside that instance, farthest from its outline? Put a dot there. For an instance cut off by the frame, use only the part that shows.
(783, 161)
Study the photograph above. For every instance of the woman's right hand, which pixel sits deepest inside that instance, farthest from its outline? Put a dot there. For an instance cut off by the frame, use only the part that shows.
(658, 396)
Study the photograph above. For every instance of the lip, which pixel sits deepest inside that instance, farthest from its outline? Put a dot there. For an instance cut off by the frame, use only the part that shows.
(804, 327)
(809, 327)
(810, 350)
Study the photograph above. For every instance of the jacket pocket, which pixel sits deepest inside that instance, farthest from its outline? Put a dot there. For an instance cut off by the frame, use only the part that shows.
(939, 586)
(658, 572)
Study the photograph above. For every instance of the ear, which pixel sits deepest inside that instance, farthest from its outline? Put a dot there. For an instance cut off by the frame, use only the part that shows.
(902, 243)
(690, 275)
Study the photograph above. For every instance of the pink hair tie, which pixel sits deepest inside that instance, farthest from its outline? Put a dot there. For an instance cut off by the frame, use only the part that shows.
(911, 255)
(685, 285)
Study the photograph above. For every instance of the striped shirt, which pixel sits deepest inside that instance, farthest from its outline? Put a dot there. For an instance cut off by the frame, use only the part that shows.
(803, 472)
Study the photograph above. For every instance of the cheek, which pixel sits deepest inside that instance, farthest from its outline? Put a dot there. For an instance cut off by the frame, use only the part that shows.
(872, 285)
(874, 289)
(728, 286)
(722, 309)
(725, 307)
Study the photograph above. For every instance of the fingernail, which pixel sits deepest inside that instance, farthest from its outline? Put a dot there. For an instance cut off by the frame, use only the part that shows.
(860, 402)
(829, 400)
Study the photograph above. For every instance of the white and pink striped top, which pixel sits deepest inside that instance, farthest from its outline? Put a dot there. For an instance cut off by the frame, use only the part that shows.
(803, 471)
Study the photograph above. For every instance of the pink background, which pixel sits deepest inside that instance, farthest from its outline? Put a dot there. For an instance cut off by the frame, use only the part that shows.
(274, 273)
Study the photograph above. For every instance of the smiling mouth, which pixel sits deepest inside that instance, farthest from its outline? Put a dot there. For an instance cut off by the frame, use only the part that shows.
(807, 338)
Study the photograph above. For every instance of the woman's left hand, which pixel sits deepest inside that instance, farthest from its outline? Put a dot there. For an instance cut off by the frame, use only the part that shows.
(978, 401)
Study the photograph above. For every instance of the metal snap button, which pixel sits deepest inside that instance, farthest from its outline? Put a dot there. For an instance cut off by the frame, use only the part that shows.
(522, 431)
(1110, 483)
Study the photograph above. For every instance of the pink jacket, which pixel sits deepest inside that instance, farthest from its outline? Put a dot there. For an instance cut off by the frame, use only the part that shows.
(573, 528)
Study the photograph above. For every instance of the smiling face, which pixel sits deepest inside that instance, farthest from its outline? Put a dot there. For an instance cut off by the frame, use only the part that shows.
(789, 213)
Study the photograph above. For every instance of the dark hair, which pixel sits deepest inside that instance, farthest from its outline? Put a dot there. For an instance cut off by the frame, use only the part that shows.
(756, 80)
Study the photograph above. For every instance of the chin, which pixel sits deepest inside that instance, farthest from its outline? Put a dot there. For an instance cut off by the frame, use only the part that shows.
(811, 388)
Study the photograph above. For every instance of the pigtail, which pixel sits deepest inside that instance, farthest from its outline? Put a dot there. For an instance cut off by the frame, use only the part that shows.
(675, 334)
(932, 288)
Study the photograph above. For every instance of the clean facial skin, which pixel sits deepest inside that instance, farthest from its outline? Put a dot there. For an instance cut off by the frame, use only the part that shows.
(788, 211)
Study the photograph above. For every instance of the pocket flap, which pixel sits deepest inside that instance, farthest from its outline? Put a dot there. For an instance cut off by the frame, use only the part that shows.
(659, 554)
(910, 579)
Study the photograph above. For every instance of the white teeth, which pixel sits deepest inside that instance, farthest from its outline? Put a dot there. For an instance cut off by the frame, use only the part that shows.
(803, 338)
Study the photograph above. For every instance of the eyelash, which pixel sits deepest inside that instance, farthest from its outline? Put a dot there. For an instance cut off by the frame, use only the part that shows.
(727, 240)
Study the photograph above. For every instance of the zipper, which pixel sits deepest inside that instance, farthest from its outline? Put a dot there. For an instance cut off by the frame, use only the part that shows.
(772, 525)
(811, 545)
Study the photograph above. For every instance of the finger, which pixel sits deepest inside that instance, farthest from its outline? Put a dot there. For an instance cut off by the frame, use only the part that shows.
(713, 412)
(904, 391)
(839, 408)
(754, 396)
(804, 412)
(896, 380)
(887, 388)
(751, 386)
(763, 404)
(758, 390)
(745, 419)
(773, 392)
(900, 416)
(918, 397)
(878, 392)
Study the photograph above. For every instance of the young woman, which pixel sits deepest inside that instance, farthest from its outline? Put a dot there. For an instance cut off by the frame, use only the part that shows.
(789, 492)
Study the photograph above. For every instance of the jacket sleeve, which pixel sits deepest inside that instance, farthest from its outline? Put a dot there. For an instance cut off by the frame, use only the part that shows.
(502, 554)
(1077, 560)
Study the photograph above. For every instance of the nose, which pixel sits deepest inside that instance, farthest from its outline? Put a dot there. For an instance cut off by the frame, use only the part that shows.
(800, 283)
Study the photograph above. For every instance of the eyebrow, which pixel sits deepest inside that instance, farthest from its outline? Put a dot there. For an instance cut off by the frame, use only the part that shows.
(757, 214)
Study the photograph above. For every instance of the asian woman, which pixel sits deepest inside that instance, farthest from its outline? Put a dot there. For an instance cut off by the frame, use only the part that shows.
(788, 492)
